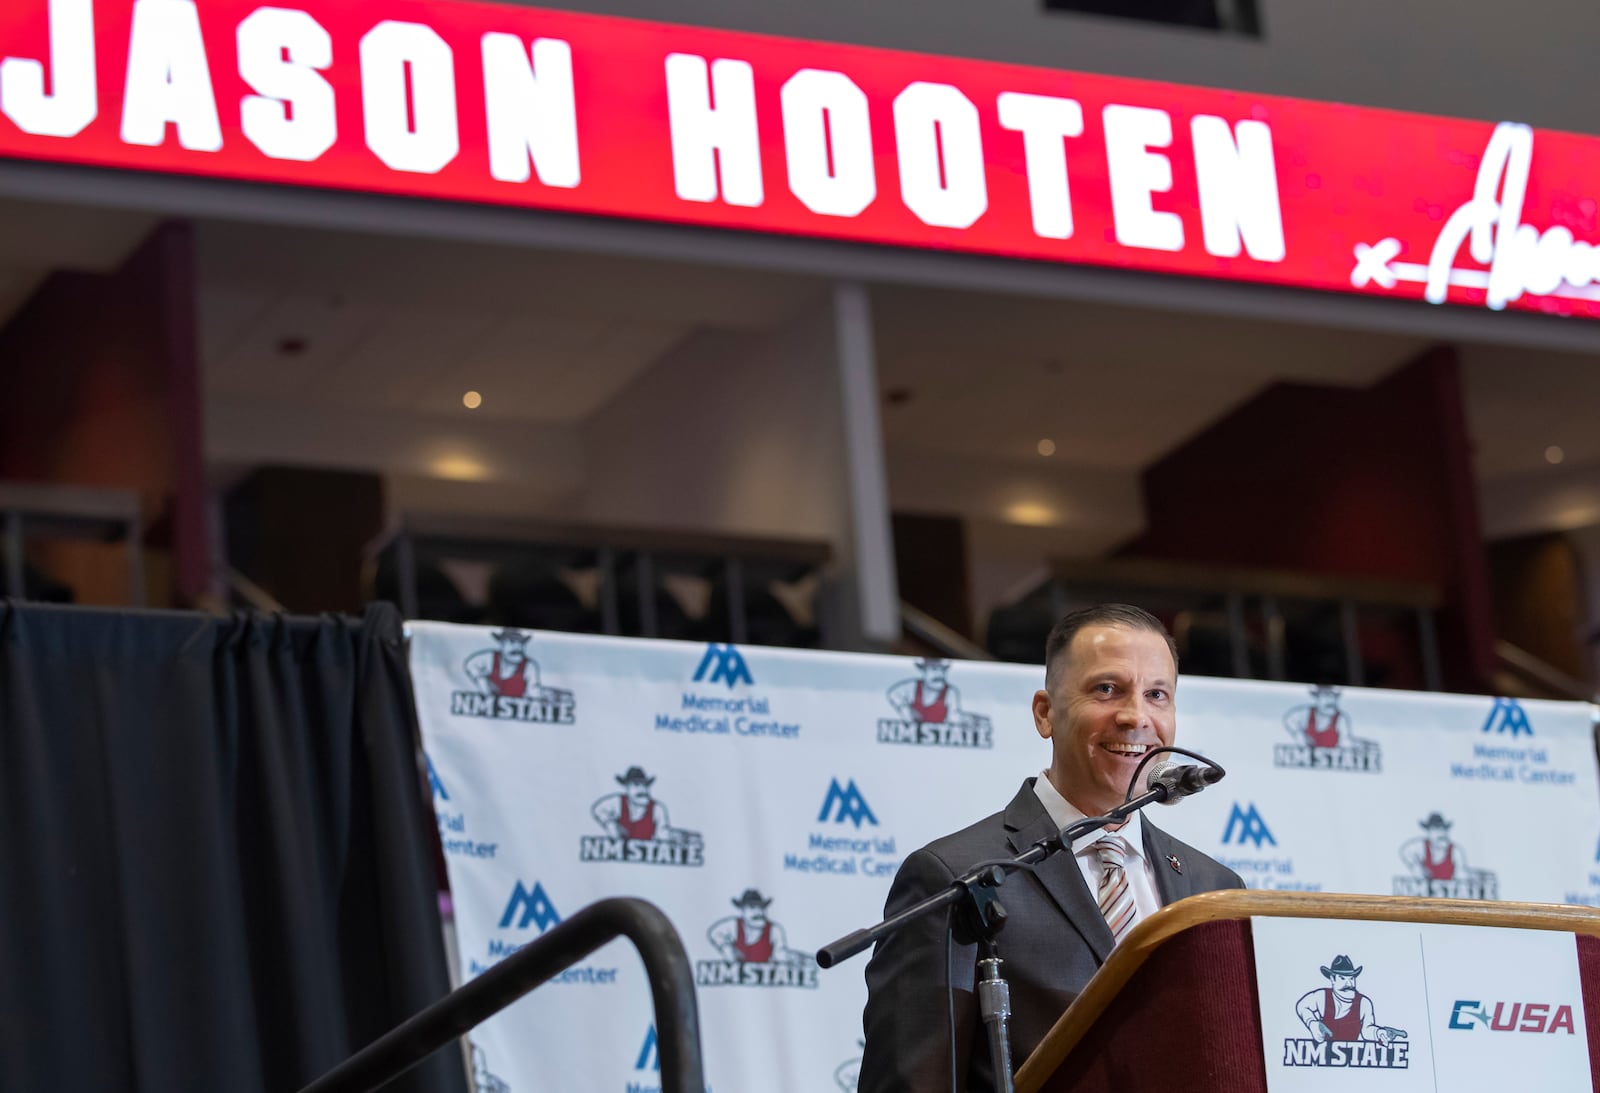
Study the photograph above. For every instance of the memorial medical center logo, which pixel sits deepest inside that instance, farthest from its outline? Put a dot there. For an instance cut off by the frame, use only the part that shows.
(848, 840)
(637, 828)
(1520, 258)
(1342, 1026)
(928, 712)
(754, 950)
(1256, 865)
(1499, 753)
(1438, 866)
(718, 707)
(507, 687)
(528, 913)
(454, 837)
(1322, 738)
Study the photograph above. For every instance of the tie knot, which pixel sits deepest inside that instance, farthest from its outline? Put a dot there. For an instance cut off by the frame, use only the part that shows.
(1113, 850)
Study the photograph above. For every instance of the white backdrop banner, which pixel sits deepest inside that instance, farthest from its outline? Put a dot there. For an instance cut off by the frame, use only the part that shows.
(764, 798)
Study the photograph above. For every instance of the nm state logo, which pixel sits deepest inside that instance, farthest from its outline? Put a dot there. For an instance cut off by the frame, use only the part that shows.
(1437, 866)
(754, 950)
(928, 712)
(723, 664)
(1342, 1026)
(1323, 738)
(637, 828)
(507, 686)
(483, 1080)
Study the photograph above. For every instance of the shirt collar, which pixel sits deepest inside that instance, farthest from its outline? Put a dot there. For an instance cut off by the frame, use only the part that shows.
(1063, 813)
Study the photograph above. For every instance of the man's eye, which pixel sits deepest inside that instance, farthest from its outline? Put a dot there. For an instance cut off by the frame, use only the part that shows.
(1159, 696)
(1103, 688)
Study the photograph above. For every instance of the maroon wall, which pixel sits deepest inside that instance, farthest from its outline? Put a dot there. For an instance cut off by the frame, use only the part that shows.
(1372, 483)
(100, 387)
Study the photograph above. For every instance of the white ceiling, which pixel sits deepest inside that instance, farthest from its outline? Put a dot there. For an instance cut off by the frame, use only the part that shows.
(334, 319)
(1112, 388)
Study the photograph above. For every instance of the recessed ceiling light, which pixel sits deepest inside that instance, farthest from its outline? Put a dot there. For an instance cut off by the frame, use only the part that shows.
(1047, 447)
(1554, 454)
(472, 400)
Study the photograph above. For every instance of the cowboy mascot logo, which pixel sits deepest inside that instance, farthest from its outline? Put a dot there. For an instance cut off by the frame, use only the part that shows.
(1343, 1026)
(1438, 866)
(507, 686)
(755, 950)
(637, 828)
(928, 712)
(1322, 738)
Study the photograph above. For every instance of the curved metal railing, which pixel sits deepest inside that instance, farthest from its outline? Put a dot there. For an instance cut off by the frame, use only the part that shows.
(665, 964)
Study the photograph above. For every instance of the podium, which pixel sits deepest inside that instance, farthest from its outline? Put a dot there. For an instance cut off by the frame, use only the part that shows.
(1176, 1005)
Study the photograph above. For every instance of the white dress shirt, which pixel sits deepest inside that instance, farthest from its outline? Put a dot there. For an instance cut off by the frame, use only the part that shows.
(1140, 871)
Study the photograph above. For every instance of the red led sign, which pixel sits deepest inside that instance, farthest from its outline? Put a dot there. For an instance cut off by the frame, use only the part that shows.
(577, 113)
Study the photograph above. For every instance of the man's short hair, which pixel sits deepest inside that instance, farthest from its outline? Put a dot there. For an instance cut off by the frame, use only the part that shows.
(1101, 614)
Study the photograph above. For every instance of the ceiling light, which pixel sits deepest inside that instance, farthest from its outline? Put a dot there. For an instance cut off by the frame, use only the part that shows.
(1031, 513)
(472, 400)
(1047, 447)
(1554, 454)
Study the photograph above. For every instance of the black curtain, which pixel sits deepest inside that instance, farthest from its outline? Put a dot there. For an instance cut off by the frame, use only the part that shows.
(215, 867)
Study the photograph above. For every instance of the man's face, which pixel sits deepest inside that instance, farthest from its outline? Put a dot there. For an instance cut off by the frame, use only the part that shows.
(933, 675)
(1439, 838)
(1327, 703)
(1110, 701)
(754, 915)
(1344, 986)
(638, 793)
(511, 650)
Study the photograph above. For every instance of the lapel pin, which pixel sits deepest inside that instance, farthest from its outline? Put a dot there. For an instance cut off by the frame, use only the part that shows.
(1172, 860)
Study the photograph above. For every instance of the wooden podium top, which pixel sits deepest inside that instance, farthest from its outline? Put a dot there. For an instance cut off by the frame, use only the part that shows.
(1175, 918)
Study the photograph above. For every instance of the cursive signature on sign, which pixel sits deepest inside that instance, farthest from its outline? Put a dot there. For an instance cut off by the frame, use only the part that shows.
(1521, 260)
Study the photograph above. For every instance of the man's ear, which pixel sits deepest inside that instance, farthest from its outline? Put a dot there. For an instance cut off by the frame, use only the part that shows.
(1041, 713)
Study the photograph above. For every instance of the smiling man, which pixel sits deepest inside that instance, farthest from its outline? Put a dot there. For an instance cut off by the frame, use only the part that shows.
(1110, 695)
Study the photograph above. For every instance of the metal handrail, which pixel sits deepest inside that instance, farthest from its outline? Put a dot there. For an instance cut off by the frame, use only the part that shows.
(666, 965)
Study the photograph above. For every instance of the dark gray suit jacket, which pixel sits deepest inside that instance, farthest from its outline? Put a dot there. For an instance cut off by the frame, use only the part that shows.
(1053, 940)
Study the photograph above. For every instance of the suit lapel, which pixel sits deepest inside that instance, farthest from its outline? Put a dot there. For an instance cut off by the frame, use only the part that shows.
(1026, 823)
(1171, 885)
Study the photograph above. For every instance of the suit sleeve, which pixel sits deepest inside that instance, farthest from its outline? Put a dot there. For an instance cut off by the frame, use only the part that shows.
(907, 1027)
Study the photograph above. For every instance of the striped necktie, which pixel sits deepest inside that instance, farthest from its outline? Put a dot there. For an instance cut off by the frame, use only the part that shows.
(1116, 898)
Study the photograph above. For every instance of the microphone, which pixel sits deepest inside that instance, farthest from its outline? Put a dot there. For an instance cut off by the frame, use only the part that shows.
(1182, 780)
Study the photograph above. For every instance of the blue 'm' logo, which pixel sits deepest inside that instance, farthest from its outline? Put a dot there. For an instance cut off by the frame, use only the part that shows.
(846, 804)
(1507, 715)
(723, 664)
(1247, 827)
(649, 1057)
(433, 780)
(529, 908)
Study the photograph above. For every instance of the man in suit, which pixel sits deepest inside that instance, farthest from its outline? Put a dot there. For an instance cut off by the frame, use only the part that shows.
(1109, 696)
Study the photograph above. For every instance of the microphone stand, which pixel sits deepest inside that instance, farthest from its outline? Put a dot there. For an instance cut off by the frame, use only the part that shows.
(979, 915)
